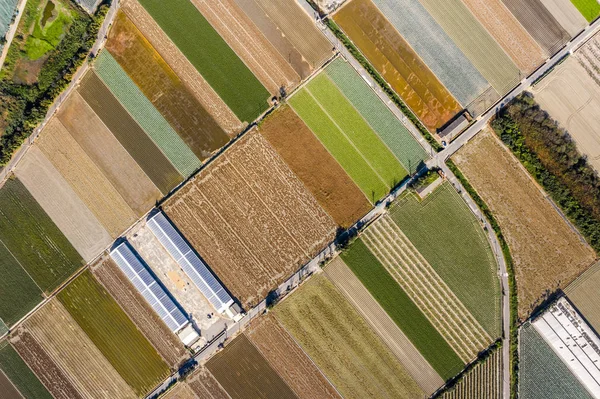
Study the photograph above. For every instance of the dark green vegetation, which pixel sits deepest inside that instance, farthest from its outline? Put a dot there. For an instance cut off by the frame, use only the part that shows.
(113, 333)
(51, 22)
(402, 310)
(211, 56)
(33, 239)
(26, 92)
(551, 157)
(20, 375)
(450, 238)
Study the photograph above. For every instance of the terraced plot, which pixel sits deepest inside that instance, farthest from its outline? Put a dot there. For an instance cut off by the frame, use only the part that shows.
(20, 375)
(438, 227)
(211, 56)
(319, 171)
(475, 42)
(566, 15)
(588, 8)
(348, 137)
(109, 328)
(144, 113)
(396, 61)
(436, 48)
(33, 239)
(240, 33)
(250, 192)
(342, 345)
(483, 381)
(540, 24)
(190, 77)
(131, 136)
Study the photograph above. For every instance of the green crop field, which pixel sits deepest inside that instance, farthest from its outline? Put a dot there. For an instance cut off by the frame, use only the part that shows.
(402, 310)
(391, 131)
(33, 239)
(348, 137)
(20, 375)
(212, 57)
(113, 333)
(590, 9)
(450, 238)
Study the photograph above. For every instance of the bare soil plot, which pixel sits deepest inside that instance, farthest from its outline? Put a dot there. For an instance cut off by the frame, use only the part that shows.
(270, 67)
(131, 136)
(397, 62)
(567, 15)
(484, 381)
(276, 37)
(583, 293)
(66, 343)
(9, 391)
(61, 203)
(250, 218)
(314, 165)
(547, 254)
(20, 374)
(139, 311)
(244, 372)
(342, 344)
(540, 23)
(356, 293)
(108, 154)
(205, 386)
(164, 88)
(190, 77)
(181, 391)
(290, 361)
(508, 32)
(84, 177)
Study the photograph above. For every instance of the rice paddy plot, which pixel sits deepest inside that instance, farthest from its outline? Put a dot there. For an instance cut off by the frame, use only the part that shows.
(436, 48)
(348, 137)
(211, 56)
(590, 9)
(391, 131)
(20, 375)
(33, 239)
(146, 115)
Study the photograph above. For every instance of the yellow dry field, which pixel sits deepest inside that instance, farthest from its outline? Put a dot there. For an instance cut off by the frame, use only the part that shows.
(66, 343)
(546, 252)
(85, 178)
(572, 98)
(583, 293)
(180, 391)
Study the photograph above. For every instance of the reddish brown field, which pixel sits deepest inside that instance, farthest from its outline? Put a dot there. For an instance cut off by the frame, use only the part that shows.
(294, 366)
(7, 388)
(314, 165)
(251, 218)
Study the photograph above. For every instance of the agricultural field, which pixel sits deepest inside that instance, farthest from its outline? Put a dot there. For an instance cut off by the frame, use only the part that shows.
(396, 61)
(335, 191)
(483, 381)
(62, 340)
(244, 372)
(374, 314)
(212, 57)
(541, 372)
(293, 365)
(508, 32)
(588, 8)
(476, 43)
(566, 15)
(146, 115)
(204, 385)
(139, 311)
(435, 48)
(252, 235)
(167, 92)
(557, 255)
(115, 335)
(348, 137)
(582, 294)
(342, 344)
(33, 239)
(131, 136)
(540, 24)
(8, 389)
(108, 154)
(20, 375)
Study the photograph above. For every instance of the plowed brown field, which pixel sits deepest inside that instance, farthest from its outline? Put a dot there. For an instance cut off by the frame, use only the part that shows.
(547, 253)
(190, 77)
(393, 57)
(181, 391)
(204, 384)
(164, 88)
(313, 164)
(249, 44)
(250, 218)
(7, 388)
(140, 312)
(290, 361)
